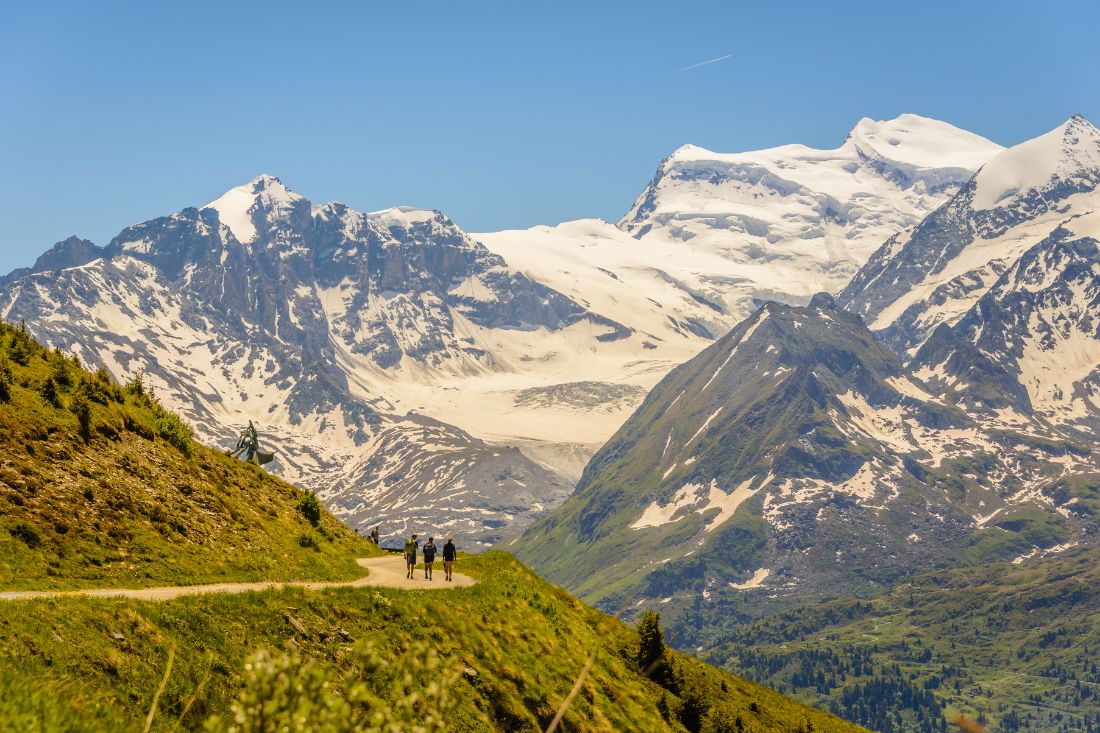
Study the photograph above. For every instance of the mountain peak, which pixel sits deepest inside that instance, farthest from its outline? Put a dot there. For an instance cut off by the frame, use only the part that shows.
(235, 206)
(921, 142)
(1068, 153)
(70, 252)
(822, 301)
(403, 217)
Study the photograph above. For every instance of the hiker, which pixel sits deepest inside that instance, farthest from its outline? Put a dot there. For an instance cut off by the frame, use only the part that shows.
(429, 557)
(448, 557)
(374, 536)
(410, 555)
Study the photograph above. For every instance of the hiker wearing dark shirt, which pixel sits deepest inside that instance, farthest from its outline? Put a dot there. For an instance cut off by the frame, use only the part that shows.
(429, 557)
(410, 555)
(449, 554)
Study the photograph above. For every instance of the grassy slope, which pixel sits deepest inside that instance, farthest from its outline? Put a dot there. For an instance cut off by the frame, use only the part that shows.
(129, 508)
(1017, 643)
(526, 639)
(766, 427)
(133, 504)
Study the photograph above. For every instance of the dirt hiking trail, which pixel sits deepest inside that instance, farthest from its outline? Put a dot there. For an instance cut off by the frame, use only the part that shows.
(385, 572)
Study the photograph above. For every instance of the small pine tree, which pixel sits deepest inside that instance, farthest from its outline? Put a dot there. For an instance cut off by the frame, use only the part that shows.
(82, 408)
(48, 390)
(651, 641)
(61, 371)
(136, 386)
(310, 508)
(18, 351)
(6, 380)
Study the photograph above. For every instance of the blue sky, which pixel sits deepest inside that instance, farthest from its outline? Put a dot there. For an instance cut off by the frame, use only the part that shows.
(503, 115)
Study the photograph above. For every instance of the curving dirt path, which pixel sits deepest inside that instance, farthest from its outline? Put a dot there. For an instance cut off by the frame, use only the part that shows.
(385, 572)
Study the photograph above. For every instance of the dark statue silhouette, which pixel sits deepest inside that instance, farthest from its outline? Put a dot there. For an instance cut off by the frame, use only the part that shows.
(248, 447)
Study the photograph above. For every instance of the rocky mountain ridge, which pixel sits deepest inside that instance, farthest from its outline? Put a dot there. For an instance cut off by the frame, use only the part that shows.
(265, 329)
(800, 456)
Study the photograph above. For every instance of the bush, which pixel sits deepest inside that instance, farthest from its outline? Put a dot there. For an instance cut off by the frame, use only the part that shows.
(61, 370)
(310, 508)
(26, 533)
(694, 697)
(174, 430)
(82, 408)
(283, 692)
(723, 718)
(308, 540)
(18, 352)
(6, 380)
(48, 390)
(651, 641)
(136, 386)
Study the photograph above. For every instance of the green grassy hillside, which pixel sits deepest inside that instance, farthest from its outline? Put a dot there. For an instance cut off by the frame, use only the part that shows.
(510, 649)
(100, 486)
(1016, 645)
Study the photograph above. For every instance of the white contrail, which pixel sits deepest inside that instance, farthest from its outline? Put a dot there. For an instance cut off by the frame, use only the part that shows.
(703, 63)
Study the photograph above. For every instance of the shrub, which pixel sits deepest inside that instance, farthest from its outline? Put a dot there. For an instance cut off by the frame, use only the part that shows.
(174, 430)
(694, 697)
(26, 533)
(308, 540)
(651, 641)
(378, 695)
(102, 388)
(83, 411)
(310, 508)
(723, 718)
(48, 390)
(136, 386)
(61, 370)
(663, 707)
(18, 352)
(6, 380)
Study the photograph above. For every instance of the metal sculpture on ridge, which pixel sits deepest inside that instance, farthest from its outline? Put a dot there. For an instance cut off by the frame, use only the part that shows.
(248, 447)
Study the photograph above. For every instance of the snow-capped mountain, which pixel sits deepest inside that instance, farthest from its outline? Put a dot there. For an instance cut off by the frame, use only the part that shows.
(793, 220)
(1031, 344)
(798, 456)
(995, 295)
(934, 272)
(343, 333)
(803, 456)
(714, 236)
(261, 306)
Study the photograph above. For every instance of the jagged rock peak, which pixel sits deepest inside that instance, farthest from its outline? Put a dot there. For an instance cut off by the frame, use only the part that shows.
(236, 206)
(1069, 153)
